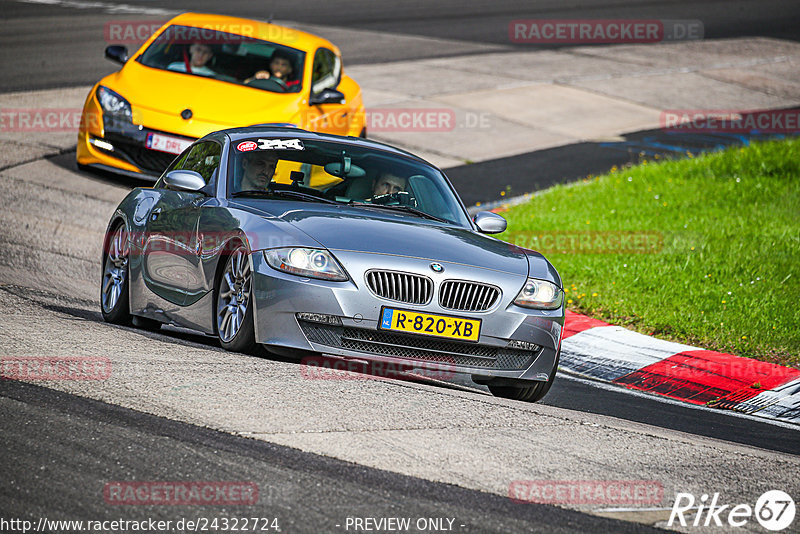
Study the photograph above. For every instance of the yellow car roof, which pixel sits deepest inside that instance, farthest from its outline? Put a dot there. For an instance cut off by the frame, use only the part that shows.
(253, 28)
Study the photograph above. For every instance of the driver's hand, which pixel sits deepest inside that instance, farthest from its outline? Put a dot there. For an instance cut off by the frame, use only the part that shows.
(262, 75)
(401, 197)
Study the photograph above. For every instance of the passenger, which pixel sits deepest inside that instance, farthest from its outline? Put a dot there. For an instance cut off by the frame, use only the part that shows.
(199, 55)
(258, 167)
(280, 68)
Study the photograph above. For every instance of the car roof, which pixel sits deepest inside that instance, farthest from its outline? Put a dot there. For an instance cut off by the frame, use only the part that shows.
(255, 28)
(248, 132)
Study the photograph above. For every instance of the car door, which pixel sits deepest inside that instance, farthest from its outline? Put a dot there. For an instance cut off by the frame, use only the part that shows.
(170, 250)
(331, 118)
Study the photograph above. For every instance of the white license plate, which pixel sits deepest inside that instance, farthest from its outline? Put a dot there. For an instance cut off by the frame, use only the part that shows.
(166, 143)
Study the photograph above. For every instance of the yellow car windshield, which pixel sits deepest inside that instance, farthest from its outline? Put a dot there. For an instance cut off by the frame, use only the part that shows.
(228, 57)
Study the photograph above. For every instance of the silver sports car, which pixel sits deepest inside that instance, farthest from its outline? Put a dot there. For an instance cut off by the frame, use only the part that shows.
(318, 244)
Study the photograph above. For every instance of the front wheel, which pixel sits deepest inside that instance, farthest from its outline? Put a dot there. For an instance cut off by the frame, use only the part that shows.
(234, 304)
(532, 393)
(114, 301)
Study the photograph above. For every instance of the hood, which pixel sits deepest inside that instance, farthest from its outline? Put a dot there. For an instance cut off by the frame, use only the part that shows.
(210, 100)
(371, 231)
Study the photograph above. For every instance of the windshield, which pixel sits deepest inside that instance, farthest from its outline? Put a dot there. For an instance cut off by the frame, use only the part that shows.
(227, 57)
(325, 171)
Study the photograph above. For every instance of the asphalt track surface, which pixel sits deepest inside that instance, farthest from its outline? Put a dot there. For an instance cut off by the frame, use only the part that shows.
(52, 45)
(74, 444)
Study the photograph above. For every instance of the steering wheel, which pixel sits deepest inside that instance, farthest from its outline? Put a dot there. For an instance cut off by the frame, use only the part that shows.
(276, 85)
(404, 198)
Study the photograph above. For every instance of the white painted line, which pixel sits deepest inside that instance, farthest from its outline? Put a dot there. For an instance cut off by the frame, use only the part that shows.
(633, 509)
(107, 7)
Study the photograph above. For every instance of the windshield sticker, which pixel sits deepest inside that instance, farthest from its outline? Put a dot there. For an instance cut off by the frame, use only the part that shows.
(246, 146)
(280, 144)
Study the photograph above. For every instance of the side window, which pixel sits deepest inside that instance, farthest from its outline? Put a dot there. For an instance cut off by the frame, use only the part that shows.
(176, 164)
(203, 158)
(326, 72)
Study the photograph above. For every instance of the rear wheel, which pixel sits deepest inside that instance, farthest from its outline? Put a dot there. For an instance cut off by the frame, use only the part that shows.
(114, 301)
(234, 304)
(533, 393)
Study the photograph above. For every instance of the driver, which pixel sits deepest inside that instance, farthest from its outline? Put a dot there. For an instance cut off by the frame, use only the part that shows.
(388, 183)
(258, 168)
(199, 55)
(280, 69)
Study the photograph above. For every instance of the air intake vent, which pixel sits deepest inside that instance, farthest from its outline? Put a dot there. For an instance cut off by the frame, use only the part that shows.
(467, 296)
(402, 287)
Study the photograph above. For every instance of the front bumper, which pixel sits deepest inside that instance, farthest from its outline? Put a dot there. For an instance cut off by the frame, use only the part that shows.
(109, 143)
(123, 148)
(279, 297)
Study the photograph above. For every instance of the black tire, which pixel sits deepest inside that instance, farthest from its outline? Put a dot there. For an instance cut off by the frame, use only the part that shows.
(243, 339)
(115, 306)
(533, 393)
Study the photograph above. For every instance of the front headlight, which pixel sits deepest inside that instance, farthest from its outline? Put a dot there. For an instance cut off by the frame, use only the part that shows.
(114, 104)
(540, 294)
(310, 262)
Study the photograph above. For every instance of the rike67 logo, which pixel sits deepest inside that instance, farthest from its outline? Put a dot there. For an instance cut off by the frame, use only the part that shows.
(774, 510)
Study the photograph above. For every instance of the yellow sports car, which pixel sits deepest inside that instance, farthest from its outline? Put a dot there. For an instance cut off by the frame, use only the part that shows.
(202, 73)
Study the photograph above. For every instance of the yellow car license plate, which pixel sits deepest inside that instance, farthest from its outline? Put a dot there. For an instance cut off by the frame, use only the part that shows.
(428, 324)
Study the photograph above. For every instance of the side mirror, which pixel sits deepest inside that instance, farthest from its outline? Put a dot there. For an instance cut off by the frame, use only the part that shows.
(327, 96)
(490, 223)
(185, 181)
(117, 53)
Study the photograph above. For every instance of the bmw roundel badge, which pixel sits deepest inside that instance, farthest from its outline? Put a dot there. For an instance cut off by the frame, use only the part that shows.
(437, 267)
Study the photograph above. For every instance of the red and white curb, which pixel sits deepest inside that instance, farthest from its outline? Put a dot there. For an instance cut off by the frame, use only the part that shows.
(599, 351)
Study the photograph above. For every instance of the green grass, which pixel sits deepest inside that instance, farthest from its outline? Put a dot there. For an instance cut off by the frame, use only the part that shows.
(726, 275)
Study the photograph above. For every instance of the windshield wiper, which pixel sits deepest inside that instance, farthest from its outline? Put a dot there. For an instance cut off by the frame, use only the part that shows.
(252, 193)
(282, 193)
(400, 207)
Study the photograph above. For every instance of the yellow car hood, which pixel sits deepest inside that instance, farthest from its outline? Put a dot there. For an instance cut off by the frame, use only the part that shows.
(158, 96)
